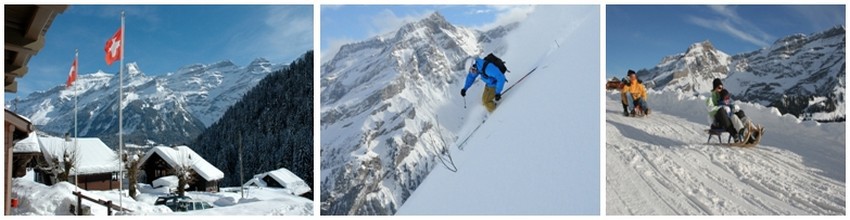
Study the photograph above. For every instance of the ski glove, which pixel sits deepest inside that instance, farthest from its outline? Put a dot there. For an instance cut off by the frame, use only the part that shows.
(463, 92)
(498, 96)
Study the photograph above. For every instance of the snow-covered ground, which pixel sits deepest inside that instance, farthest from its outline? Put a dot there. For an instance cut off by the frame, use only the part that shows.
(662, 165)
(38, 199)
(538, 152)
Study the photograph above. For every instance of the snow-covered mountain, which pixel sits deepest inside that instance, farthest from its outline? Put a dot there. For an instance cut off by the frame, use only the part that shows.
(798, 74)
(379, 97)
(689, 71)
(165, 109)
(389, 102)
(662, 165)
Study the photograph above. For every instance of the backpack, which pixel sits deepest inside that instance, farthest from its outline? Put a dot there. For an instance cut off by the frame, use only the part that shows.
(490, 58)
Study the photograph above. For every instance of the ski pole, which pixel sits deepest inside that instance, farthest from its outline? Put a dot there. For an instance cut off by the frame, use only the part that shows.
(464, 102)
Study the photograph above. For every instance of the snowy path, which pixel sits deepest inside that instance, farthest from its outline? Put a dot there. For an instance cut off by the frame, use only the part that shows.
(661, 165)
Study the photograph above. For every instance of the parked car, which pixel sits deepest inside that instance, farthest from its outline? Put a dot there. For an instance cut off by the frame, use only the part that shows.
(191, 205)
(170, 199)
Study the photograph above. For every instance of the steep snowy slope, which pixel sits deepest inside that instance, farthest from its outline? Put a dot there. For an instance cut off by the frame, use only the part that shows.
(538, 152)
(662, 165)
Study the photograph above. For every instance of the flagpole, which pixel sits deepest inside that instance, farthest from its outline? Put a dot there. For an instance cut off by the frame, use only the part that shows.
(121, 118)
(74, 86)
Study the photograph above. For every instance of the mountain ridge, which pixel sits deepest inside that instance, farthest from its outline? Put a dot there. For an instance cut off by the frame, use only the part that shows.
(176, 106)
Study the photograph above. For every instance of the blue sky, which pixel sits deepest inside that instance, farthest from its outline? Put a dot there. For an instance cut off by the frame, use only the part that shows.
(639, 36)
(351, 23)
(162, 39)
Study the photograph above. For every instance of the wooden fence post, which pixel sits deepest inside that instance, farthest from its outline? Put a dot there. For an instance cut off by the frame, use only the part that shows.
(79, 203)
(109, 207)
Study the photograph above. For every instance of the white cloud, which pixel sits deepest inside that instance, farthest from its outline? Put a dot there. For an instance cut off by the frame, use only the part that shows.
(506, 14)
(728, 21)
(821, 17)
(148, 14)
(387, 21)
(725, 26)
(479, 11)
(333, 47)
(283, 33)
(726, 11)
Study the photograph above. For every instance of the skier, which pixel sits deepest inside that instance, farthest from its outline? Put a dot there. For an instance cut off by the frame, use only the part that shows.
(635, 91)
(493, 78)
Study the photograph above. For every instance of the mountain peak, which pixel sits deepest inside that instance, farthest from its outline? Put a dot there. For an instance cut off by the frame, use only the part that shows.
(133, 69)
(259, 65)
(700, 46)
(223, 63)
(190, 68)
(432, 23)
(790, 39)
(436, 16)
(259, 61)
(837, 30)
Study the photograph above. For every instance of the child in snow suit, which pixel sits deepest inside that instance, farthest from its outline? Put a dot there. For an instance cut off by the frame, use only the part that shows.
(725, 102)
(493, 78)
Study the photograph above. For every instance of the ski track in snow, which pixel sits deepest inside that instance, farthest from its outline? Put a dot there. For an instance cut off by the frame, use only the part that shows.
(660, 164)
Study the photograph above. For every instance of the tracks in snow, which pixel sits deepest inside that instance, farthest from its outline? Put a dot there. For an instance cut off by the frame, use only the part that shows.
(660, 165)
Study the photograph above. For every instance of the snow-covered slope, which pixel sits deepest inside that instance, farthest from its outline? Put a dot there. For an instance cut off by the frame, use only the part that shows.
(538, 152)
(166, 109)
(662, 165)
(799, 74)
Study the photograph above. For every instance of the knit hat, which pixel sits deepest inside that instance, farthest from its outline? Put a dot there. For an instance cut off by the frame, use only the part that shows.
(716, 83)
(631, 72)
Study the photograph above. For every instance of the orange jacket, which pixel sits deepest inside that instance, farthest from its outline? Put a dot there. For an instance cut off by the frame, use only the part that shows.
(637, 90)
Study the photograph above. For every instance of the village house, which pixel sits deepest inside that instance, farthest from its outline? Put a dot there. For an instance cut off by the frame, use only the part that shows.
(161, 161)
(96, 165)
(280, 178)
(25, 152)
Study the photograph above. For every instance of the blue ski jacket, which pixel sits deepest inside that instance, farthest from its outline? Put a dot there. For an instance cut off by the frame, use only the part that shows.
(493, 78)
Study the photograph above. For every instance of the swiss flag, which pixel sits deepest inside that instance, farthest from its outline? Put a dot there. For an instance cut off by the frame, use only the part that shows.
(114, 48)
(72, 75)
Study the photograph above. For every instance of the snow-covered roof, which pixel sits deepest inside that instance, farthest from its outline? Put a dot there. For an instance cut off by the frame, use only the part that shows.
(93, 155)
(285, 177)
(27, 145)
(173, 155)
(166, 181)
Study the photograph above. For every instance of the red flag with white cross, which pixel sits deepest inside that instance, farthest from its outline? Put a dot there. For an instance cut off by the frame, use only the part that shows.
(72, 75)
(114, 48)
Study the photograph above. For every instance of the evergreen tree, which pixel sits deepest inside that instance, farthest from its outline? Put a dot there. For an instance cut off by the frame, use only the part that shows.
(275, 119)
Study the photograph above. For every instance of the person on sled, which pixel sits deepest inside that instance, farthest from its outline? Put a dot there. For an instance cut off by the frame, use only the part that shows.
(726, 115)
(634, 90)
(493, 78)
